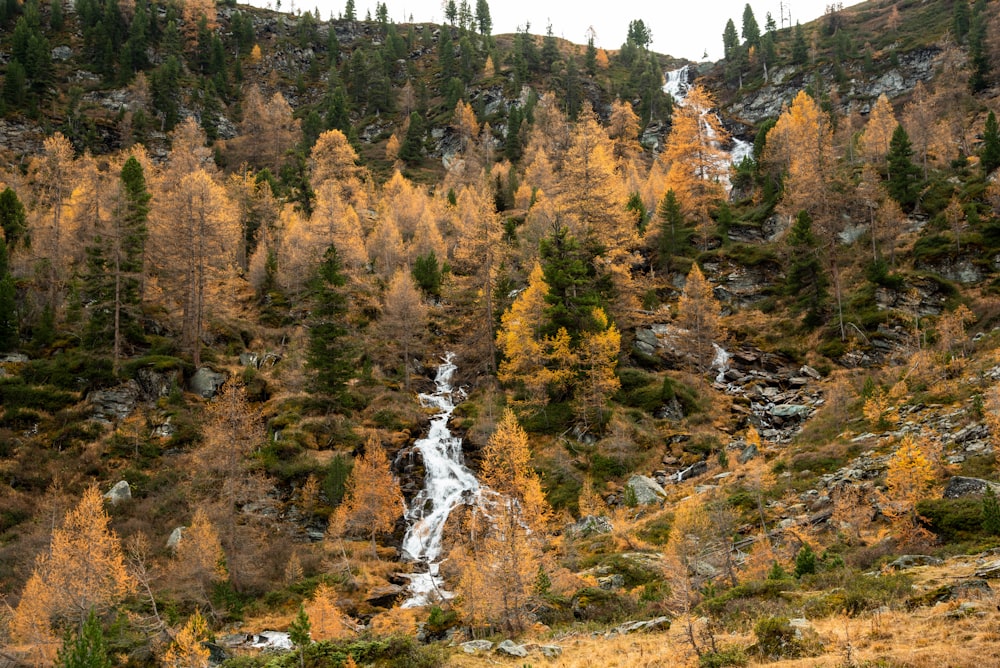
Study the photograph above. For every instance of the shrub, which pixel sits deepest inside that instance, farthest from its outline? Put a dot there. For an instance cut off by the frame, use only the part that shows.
(776, 639)
(728, 656)
(952, 519)
(805, 561)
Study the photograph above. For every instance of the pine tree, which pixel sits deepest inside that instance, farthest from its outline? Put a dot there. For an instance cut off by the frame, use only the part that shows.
(989, 154)
(87, 649)
(12, 219)
(979, 52)
(674, 232)
(805, 561)
(730, 40)
(329, 359)
(751, 30)
(571, 296)
(800, 49)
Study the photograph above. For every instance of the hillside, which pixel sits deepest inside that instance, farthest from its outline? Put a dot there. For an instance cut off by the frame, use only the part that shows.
(410, 345)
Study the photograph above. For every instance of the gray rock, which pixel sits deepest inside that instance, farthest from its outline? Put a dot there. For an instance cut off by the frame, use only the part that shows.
(116, 403)
(250, 359)
(991, 571)
(786, 411)
(206, 382)
(906, 561)
(164, 429)
(655, 624)
(175, 538)
(155, 384)
(748, 453)
(647, 491)
(695, 469)
(474, 646)
(510, 648)
(62, 53)
(807, 370)
(590, 525)
(971, 588)
(119, 493)
(384, 596)
(611, 582)
(960, 486)
(551, 651)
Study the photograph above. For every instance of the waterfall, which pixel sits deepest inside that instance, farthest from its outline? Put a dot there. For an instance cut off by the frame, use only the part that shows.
(447, 483)
(720, 362)
(677, 85)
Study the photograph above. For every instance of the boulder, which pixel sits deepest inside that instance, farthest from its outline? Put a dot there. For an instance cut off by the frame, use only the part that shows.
(655, 624)
(590, 525)
(991, 571)
(906, 561)
(155, 384)
(474, 646)
(786, 411)
(551, 651)
(384, 596)
(119, 493)
(747, 454)
(647, 491)
(510, 648)
(611, 582)
(206, 382)
(116, 403)
(175, 538)
(960, 486)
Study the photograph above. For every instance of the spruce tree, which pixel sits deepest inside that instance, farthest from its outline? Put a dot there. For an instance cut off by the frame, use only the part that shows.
(12, 219)
(991, 512)
(328, 358)
(8, 303)
(903, 183)
(989, 155)
(751, 30)
(800, 49)
(298, 633)
(675, 233)
(571, 297)
(806, 280)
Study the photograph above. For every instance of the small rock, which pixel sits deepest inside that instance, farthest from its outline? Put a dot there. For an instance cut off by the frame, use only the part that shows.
(807, 370)
(116, 403)
(611, 582)
(474, 646)
(384, 596)
(657, 623)
(748, 453)
(786, 411)
(510, 648)
(119, 493)
(965, 610)
(590, 525)
(906, 561)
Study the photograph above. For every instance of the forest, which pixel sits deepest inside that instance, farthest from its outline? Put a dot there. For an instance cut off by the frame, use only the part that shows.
(347, 342)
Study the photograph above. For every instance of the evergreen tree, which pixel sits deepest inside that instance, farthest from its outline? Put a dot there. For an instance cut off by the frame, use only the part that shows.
(88, 649)
(730, 40)
(298, 633)
(903, 184)
(991, 512)
(675, 234)
(989, 155)
(960, 20)
(328, 358)
(571, 296)
(550, 49)
(413, 145)
(979, 54)
(483, 20)
(805, 561)
(751, 30)
(800, 50)
(428, 274)
(806, 280)
(349, 11)
(12, 219)
(8, 303)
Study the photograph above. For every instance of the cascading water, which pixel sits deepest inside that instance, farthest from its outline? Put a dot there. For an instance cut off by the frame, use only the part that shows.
(447, 483)
(677, 85)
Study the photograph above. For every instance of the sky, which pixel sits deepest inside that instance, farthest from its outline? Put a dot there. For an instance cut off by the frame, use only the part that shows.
(680, 28)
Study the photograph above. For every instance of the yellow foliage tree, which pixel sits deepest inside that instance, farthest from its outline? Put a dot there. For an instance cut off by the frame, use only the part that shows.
(598, 358)
(698, 312)
(404, 318)
(372, 500)
(334, 159)
(907, 481)
(326, 620)
(524, 359)
(878, 132)
(83, 570)
(200, 561)
(187, 650)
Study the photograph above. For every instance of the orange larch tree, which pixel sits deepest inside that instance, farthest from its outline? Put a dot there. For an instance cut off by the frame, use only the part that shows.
(373, 500)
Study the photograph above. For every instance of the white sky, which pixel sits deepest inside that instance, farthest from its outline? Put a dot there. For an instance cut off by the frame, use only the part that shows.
(681, 28)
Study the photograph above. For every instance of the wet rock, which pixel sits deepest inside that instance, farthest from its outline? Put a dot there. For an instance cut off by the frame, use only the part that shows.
(206, 382)
(960, 486)
(119, 493)
(647, 491)
(510, 648)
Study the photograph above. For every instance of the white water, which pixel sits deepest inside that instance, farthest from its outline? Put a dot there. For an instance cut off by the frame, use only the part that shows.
(447, 483)
(720, 362)
(677, 86)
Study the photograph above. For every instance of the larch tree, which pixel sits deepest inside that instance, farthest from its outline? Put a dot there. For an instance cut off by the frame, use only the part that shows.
(333, 159)
(373, 500)
(598, 359)
(878, 132)
(404, 318)
(199, 561)
(521, 341)
(195, 234)
(188, 650)
(623, 128)
(693, 160)
(698, 312)
(83, 570)
(52, 175)
(326, 620)
(908, 480)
